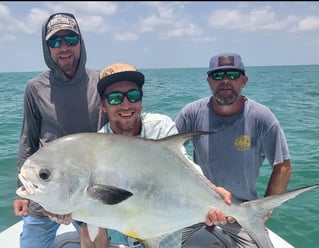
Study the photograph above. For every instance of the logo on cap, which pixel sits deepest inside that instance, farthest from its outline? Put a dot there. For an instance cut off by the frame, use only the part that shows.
(226, 61)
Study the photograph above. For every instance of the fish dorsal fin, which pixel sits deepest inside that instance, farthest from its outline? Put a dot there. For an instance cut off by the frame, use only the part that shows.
(108, 194)
(177, 140)
(175, 144)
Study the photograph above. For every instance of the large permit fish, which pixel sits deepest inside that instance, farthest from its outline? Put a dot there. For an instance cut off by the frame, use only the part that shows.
(143, 188)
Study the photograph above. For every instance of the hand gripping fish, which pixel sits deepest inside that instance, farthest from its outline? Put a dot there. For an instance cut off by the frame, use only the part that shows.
(146, 189)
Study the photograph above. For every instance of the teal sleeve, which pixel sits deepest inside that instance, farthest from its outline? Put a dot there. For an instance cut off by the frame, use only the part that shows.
(117, 238)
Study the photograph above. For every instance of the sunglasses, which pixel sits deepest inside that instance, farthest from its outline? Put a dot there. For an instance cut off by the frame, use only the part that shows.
(70, 40)
(115, 98)
(219, 75)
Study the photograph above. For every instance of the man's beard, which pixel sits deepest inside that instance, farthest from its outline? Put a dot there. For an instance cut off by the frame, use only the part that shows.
(228, 100)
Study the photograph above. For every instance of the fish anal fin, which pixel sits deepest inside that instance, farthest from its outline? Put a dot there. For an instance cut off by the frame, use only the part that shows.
(108, 194)
(152, 243)
(172, 240)
(93, 231)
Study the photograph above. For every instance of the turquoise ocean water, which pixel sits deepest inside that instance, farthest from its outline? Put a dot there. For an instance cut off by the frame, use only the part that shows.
(291, 92)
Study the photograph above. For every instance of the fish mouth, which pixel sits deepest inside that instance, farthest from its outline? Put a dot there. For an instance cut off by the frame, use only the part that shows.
(27, 188)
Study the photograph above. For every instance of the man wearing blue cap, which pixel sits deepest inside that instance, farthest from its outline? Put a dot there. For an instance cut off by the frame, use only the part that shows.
(247, 134)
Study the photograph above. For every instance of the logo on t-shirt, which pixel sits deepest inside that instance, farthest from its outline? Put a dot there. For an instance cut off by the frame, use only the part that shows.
(242, 143)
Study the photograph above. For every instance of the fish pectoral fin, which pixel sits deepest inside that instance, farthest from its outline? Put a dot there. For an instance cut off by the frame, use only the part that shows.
(108, 194)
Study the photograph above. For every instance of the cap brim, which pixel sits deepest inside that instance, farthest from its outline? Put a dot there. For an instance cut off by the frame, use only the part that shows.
(53, 32)
(131, 76)
(225, 68)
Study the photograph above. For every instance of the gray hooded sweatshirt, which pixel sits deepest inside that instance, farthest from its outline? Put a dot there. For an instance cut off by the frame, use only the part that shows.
(55, 106)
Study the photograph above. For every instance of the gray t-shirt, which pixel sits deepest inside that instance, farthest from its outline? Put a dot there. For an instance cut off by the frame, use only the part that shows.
(232, 156)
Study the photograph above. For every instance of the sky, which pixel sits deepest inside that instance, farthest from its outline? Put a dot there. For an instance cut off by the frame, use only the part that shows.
(152, 35)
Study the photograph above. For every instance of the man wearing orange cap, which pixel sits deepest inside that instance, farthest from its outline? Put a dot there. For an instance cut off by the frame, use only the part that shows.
(120, 89)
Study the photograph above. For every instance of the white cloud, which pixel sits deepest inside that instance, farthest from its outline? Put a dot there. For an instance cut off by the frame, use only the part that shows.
(7, 37)
(87, 7)
(33, 22)
(309, 23)
(125, 36)
(190, 30)
(94, 24)
(169, 21)
(260, 19)
(7, 22)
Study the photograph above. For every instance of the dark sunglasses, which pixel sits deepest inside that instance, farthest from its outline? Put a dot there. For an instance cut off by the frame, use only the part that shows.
(115, 98)
(231, 74)
(70, 40)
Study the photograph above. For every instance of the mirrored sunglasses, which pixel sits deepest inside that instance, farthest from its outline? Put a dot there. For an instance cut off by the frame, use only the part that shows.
(115, 98)
(231, 74)
(70, 40)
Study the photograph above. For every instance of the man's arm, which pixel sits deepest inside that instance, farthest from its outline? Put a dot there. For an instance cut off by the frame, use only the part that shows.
(28, 144)
(279, 178)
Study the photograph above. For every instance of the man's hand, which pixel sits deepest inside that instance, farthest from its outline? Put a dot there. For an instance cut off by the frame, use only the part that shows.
(21, 207)
(225, 194)
(217, 217)
(65, 219)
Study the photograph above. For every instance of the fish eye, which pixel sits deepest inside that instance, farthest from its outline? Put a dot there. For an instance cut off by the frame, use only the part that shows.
(44, 174)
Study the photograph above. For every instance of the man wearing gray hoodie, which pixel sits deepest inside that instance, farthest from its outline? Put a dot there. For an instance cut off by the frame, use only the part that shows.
(60, 101)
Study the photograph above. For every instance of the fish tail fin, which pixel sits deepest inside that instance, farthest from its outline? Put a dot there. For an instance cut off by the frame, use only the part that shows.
(257, 230)
(257, 209)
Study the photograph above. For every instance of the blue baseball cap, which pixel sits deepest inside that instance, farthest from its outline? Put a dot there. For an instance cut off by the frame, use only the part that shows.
(226, 61)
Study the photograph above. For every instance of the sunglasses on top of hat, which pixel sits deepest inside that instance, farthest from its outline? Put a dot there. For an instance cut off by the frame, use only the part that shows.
(116, 97)
(70, 40)
(230, 74)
